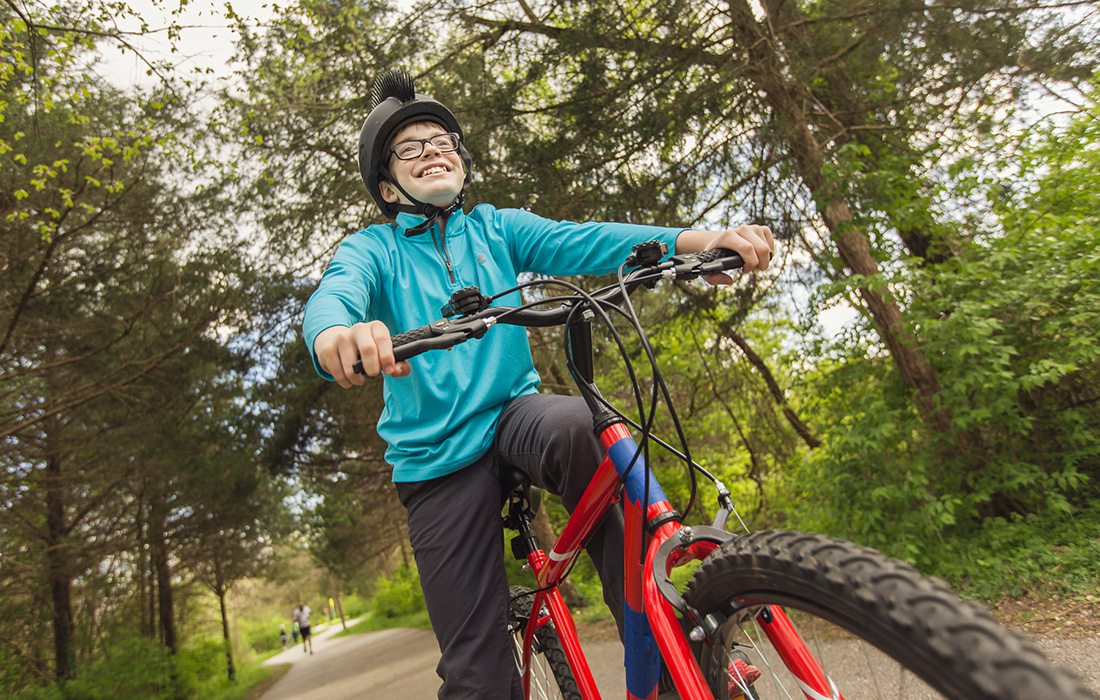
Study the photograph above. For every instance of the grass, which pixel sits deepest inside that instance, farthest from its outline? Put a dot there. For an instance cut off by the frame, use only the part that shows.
(253, 680)
(372, 622)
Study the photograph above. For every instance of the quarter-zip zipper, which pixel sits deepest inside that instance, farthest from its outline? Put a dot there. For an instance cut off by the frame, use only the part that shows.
(441, 248)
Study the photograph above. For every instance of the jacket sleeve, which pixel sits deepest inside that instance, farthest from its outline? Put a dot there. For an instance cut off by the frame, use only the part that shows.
(344, 294)
(566, 248)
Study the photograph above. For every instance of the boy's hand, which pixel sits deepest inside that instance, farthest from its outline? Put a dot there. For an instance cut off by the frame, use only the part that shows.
(338, 349)
(753, 243)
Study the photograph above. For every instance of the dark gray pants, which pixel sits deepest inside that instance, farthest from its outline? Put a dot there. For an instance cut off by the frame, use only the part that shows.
(456, 534)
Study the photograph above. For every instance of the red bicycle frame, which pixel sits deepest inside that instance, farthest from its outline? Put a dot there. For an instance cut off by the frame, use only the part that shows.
(652, 631)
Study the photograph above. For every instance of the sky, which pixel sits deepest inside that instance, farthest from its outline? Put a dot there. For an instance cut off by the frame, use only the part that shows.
(207, 43)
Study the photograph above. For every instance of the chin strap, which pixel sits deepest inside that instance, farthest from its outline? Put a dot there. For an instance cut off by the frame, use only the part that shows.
(432, 212)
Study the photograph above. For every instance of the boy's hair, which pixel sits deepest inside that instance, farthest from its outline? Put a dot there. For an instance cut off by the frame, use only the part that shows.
(414, 122)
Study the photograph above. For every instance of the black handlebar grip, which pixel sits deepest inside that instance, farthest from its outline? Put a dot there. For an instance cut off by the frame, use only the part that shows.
(715, 253)
(410, 336)
(398, 340)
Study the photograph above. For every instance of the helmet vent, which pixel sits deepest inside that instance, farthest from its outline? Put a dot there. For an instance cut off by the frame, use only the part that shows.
(392, 83)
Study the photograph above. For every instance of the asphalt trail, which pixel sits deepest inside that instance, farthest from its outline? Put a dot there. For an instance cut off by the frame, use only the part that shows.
(400, 663)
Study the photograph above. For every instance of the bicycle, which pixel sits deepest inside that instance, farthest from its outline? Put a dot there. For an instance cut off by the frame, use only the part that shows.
(732, 617)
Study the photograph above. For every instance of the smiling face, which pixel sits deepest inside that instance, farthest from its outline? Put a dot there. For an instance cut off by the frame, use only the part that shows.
(435, 177)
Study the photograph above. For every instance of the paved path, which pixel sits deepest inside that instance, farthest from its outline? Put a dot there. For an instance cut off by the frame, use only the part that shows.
(397, 663)
(400, 663)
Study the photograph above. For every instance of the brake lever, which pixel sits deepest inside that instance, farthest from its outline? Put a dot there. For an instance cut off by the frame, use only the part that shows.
(693, 265)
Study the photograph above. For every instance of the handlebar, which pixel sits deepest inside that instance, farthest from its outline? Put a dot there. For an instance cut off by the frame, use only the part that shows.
(446, 333)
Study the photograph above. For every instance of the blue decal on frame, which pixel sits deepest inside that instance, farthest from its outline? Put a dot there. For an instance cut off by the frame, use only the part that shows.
(621, 453)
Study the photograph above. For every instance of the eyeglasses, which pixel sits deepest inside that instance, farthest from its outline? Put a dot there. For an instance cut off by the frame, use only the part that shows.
(414, 148)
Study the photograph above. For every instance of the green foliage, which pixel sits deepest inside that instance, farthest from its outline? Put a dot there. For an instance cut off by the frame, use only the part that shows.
(1013, 557)
(201, 666)
(135, 667)
(131, 667)
(354, 605)
(398, 594)
(397, 601)
(1010, 327)
(261, 634)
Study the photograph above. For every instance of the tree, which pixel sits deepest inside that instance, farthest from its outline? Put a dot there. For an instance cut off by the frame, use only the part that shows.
(114, 270)
(851, 128)
(233, 510)
(730, 89)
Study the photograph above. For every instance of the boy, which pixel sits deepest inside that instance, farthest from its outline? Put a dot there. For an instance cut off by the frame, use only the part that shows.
(451, 419)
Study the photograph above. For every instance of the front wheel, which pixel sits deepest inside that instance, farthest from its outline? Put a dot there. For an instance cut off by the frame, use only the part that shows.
(878, 627)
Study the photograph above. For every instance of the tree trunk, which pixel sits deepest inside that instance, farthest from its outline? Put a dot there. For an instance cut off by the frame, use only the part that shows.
(58, 571)
(767, 68)
(166, 614)
(145, 621)
(220, 591)
(150, 574)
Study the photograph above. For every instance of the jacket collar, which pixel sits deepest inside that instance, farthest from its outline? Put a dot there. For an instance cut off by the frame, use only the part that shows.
(456, 225)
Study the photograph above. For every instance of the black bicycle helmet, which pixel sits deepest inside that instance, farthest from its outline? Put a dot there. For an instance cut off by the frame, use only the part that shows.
(395, 103)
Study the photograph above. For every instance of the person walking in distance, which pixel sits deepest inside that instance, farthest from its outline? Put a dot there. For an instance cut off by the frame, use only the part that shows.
(301, 616)
(452, 420)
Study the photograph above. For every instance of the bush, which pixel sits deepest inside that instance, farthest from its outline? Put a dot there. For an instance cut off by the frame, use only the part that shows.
(354, 605)
(261, 635)
(201, 665)
(1013, 557)
(131, 667)
(399, 594)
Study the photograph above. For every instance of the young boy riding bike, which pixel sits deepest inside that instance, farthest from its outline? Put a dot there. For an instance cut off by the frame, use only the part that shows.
(452, 419)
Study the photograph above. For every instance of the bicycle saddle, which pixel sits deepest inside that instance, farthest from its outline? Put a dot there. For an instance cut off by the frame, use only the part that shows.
(516, 486)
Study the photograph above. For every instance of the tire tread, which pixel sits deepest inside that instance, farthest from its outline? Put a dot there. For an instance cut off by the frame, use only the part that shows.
(983, 658)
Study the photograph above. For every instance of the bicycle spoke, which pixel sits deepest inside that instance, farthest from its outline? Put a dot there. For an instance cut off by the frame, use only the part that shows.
(874, 679)
(856, 668)
(758, 644)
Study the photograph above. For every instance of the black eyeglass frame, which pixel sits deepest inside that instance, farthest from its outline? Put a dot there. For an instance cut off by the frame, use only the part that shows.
(457, 139)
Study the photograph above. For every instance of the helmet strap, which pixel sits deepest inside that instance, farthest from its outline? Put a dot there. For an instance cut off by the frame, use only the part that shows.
(431, 211)
(434, 213)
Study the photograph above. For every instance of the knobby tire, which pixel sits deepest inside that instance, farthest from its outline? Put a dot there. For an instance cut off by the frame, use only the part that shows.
(952, 645)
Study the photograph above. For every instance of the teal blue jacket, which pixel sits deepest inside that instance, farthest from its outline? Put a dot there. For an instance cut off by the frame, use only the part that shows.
(443, 416)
